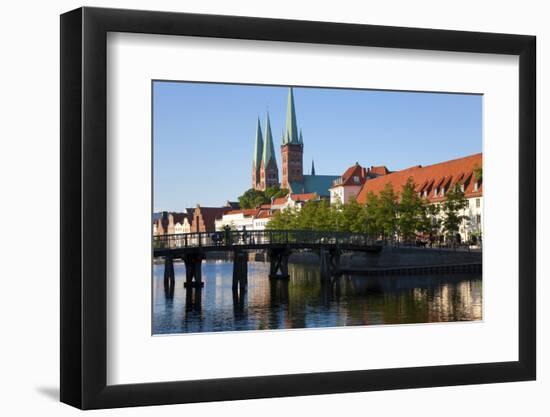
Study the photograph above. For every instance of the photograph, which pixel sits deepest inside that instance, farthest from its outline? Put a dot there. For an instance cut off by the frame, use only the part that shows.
(280, 207)
(237, 184)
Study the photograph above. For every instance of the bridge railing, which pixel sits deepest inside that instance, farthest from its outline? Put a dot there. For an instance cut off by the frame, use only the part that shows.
(258, 237)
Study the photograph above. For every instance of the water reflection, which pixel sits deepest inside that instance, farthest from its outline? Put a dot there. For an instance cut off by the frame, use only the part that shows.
(303, 301)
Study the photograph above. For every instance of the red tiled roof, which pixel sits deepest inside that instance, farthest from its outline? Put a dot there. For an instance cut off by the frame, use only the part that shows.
(263, 214)
(295, 197)
(356, 170)
(429, 177)
(279, 201)
(244, 212)
(304, 197)
(347, 178)
(379, 170)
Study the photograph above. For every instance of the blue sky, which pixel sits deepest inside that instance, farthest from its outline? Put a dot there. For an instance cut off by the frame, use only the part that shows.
(203, 134)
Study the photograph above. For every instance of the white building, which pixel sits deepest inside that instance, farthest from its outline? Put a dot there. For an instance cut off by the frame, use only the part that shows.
(251, 219)
(294, 201)
(352, 180)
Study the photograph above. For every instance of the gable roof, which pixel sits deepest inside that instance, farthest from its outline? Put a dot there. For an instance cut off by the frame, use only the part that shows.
(279, 201)
(180, 217)
(244, 212)
(379, 170)
(209, 216)
(304, 197)
(443, 174)
(354, 175)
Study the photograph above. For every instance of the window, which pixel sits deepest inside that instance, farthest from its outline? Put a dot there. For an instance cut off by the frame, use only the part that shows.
(476, 186)
(478, 219)
(478, 203)
(356, 179)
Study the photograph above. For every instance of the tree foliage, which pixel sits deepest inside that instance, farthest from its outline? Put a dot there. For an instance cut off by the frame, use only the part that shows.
(387, 212)
(478, 173)
(252, 198)
(411, 213)
(387, 215)
(452, 209)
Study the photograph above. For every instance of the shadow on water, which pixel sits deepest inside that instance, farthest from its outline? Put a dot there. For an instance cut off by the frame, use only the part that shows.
(239, 299)
(193, 300)
(303, 301)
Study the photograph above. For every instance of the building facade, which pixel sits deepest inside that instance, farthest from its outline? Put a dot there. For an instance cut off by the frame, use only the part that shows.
(246, 219)
(293, 201)
(172, 223)
(351, 182)
(432, 182)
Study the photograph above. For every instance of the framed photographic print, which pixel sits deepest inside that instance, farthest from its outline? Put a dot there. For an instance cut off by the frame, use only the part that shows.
(257, 208)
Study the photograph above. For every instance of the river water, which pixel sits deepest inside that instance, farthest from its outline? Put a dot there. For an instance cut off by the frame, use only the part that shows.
(302, 302)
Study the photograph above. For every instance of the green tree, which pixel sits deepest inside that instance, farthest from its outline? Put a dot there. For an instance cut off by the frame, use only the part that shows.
(284, 220)
(372, 215)
(452, 208)
(429, 222)
(352, 217)
(478, 173)
(387, 212)
(275, 192)
(410, 211)
(252, 198)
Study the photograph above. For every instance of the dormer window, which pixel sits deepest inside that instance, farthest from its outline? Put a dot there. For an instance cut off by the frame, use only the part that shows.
(462, 187)
(425, 193)
(356, 179)
(476, 185)
(442, 191)
(436, 191)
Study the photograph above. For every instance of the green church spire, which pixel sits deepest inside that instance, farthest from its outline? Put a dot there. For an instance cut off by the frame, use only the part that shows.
(269, 150)
(258, 147)
(291, 129)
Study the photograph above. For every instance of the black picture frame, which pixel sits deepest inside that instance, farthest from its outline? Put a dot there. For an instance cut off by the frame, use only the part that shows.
(84, 207)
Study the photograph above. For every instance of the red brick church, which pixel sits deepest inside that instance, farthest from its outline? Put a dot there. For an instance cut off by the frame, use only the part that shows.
(265, 172)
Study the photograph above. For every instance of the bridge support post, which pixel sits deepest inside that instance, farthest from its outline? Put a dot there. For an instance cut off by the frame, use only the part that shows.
(169, 275)
(329, 263)
(240, 270)
(278, 262)
(193, 299)
(324, 262)
(193, 270)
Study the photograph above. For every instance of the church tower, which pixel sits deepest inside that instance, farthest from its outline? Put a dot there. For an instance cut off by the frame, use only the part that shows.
(269, 172)
(292, 147)
(257, 160)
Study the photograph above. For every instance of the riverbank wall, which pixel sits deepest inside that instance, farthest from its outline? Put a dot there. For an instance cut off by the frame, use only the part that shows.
(389, 257)
(389, 261)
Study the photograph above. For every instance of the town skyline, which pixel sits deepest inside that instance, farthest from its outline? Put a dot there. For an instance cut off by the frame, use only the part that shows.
(217, 123)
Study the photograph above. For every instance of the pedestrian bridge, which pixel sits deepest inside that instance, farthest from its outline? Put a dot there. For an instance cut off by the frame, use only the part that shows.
(279, 244)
